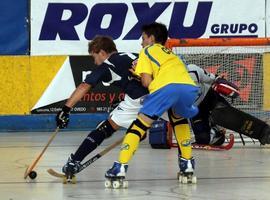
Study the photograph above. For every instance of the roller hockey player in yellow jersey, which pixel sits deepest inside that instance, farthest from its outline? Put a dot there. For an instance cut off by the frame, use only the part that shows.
(165, 76)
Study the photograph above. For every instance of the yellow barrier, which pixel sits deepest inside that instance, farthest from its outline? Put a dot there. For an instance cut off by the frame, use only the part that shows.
(266, 81)
(24, 79)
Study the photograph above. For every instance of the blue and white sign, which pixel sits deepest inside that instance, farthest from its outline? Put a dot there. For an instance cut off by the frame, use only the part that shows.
(65, 27)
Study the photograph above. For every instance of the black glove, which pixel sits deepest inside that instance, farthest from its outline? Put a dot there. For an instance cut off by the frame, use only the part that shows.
(62, 117)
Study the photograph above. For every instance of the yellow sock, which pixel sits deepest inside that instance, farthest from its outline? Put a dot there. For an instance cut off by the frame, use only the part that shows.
(129, 146)
(132, 139)
(182, 134)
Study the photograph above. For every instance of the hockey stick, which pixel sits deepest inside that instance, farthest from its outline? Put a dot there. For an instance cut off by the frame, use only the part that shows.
(30, 168)
(227, 146)
(90, 161)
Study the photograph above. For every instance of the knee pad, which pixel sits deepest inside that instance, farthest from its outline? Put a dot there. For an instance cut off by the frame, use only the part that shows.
(138, 128)
(106, 128)
(174, 120)
(102, 131)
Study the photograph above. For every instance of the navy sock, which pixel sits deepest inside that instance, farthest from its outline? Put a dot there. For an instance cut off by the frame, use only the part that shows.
(90, 143)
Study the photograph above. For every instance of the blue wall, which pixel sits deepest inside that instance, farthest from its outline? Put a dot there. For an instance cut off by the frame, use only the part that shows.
(14, 28)
(47, 122)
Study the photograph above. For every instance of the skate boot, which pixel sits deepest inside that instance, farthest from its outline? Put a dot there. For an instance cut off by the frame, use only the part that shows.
(116, 176)
(70, 169)
(265, 136)
(186, 171)
(217, 136)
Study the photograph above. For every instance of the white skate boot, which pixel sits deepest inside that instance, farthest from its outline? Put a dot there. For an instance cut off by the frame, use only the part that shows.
(217, 136)
(186, 171)
(116, 176)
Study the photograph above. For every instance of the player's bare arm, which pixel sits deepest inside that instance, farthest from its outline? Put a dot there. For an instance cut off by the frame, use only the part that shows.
(78, 93)
(146, 79)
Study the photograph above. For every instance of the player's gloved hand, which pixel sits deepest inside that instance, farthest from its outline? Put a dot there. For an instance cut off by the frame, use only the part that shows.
(62, 117)
(225, 87)
(132, 74)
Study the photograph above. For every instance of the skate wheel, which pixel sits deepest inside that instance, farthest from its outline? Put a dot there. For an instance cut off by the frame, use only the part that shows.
(194, 179)
(178, 176)
(65, 180)
(125, 184)
(184, 180)
(73, 180)
(116, 184)
(108, 184)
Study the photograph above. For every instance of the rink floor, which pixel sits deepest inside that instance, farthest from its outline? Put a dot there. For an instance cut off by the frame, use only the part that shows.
(241, 173)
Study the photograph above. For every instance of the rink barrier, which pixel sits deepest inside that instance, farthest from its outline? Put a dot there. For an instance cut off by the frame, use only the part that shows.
(46, 122)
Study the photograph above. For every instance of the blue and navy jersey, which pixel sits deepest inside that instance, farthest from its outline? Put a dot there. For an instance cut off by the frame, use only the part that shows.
(115, 71)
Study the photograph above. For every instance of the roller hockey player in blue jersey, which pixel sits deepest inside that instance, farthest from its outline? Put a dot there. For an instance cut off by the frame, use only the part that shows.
(216, 112)
(113, 68)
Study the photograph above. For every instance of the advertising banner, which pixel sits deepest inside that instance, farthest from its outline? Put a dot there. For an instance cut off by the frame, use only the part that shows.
(245, 70)
(63, 27)
(70, 75)
(14, 31)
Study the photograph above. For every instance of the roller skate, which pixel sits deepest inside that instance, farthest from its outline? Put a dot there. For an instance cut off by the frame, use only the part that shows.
(265, 136)
(186, 171)
(116, 176)
(70, 169)
(217, 136)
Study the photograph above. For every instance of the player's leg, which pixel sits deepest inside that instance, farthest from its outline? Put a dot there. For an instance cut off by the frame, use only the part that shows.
(204, 131)
(241, 122)
(148, 113)
(201, 130)
(121, 116)
(184, 107)
(134, 134)
(90, 143)
(185, 160)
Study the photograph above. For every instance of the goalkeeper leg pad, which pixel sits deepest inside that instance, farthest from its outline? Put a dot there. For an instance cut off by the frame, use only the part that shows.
(240, 122)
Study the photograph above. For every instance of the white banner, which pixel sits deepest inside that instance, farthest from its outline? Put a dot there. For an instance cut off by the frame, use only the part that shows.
(64, 27)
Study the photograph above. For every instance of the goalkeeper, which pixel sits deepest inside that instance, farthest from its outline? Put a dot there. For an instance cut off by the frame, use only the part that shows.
(215, 111)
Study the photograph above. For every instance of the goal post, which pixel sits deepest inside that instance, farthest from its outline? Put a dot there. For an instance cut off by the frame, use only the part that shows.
(243, 61)
(208, 42)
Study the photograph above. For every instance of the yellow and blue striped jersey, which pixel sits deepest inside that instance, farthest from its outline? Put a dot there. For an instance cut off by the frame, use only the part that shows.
(164, 66)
